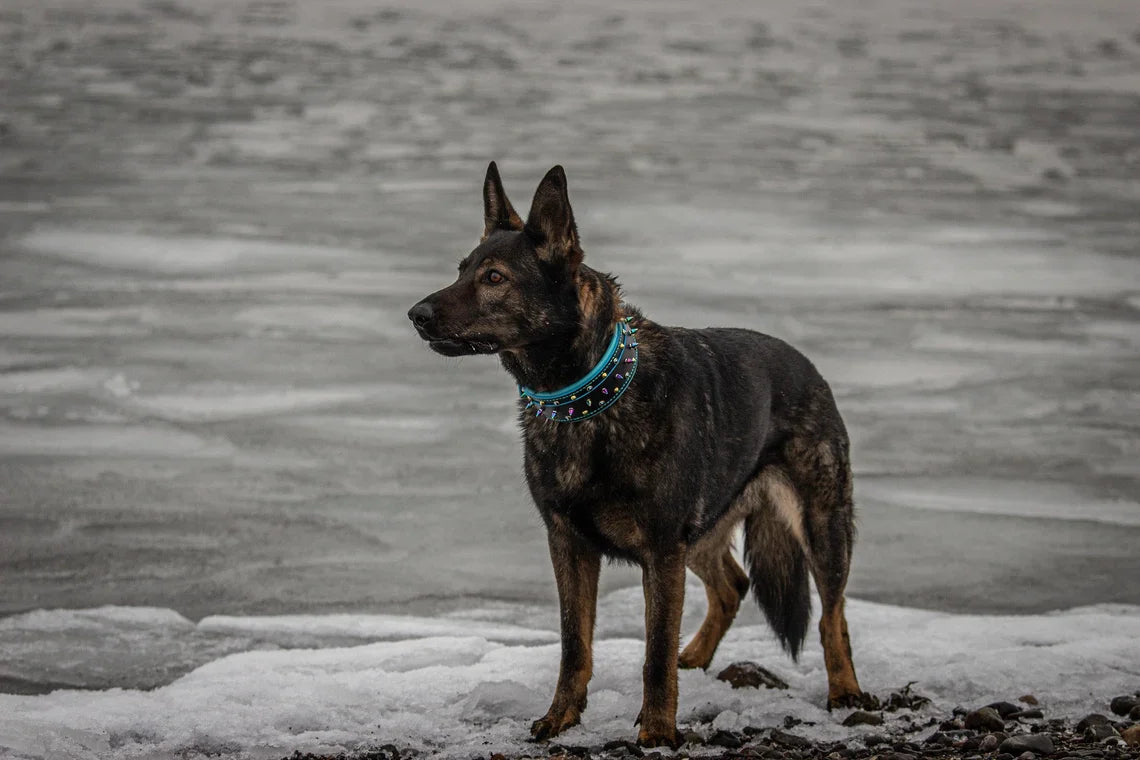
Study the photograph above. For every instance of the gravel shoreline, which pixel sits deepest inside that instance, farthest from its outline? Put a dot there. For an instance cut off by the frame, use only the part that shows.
(1014, 730)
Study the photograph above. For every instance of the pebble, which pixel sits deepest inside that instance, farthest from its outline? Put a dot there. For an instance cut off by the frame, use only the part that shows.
(1124, 705)
(1027, 756)
(938, 738)
(692, 737)
(785, 739)
(726, 739)
(1098, 732)
(749, 674)
(1004, 709)
(1042, 744)
(1028, 699)
(987, 718)
(629, 747)
(1092, 719)
(1026, 714)
(863, 718)
(991, 742)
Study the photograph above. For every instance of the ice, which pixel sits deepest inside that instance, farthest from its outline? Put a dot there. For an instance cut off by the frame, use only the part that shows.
(164, 255)
(214, 402)
(448, 688)
(105, 439)
(75, 322)
(1002, 497)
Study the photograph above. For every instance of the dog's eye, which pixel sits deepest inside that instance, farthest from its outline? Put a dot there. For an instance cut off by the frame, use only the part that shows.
(494, 277)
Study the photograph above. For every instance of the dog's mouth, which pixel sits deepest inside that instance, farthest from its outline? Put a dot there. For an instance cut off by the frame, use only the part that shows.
(459, 347)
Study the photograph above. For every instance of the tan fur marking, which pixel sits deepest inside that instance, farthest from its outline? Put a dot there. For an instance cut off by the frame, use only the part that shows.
(782, 495)
(841, 680)
(711, 560)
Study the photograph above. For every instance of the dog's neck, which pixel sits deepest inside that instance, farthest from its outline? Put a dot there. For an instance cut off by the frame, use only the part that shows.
(569, 354)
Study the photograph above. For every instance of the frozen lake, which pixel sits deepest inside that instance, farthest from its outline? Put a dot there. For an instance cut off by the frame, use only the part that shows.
(213, 219)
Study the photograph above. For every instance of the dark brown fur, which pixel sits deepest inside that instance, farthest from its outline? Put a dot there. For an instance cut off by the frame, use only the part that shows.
(719, 427)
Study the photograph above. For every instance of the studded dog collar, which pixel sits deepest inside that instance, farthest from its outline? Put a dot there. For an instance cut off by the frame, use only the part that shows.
(598, 390)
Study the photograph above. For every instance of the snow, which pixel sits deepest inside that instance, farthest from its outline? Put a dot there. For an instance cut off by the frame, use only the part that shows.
(458, 685)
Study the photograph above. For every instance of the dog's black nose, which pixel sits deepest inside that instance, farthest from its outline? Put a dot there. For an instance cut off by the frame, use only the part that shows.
(421, 313)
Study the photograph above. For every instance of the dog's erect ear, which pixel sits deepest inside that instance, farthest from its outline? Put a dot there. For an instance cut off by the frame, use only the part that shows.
(498, 213)
(551, 221)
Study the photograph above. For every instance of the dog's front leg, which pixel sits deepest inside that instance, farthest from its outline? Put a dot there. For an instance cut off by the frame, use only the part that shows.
(576, 568)
(663, 580)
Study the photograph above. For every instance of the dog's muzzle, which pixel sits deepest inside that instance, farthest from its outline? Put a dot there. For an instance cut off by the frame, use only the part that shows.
(423, 317)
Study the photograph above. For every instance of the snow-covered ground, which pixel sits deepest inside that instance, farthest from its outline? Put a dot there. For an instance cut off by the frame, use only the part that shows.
(213, 217)
(469, 684)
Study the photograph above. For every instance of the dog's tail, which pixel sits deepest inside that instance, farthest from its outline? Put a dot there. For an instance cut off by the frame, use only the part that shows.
(779, 573)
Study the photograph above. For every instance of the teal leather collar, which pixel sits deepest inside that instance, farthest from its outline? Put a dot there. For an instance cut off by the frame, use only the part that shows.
(598, 390)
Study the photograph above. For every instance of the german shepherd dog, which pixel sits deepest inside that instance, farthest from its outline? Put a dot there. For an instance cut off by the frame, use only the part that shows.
(718, 427)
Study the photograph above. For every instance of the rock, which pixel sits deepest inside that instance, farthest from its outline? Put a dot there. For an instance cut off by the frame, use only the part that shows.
(1004, 709)
(630, 748)
(1027, 756)
(985, 719)
(1028, 699)
(692, 737)
(863, 718)
(1092, 719)
(1041, 744)
(749, 674)
(1123, 705)
(726, 739)
(1026, 714)
(1134, 713)
(1131, 736)
(1099, 732)
(991, 742)
(784, 739)
(873, 740)
(938, 739)
(904, 699)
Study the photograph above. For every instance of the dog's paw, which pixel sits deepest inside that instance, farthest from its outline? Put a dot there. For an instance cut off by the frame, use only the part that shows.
(693, 660)
(551, 724)
(861, 699)
(661, 737)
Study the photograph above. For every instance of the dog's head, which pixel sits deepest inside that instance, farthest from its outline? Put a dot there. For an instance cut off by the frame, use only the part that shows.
(518, 286)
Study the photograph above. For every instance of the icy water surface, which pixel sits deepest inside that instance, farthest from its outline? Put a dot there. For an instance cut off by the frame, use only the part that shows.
(214, 218)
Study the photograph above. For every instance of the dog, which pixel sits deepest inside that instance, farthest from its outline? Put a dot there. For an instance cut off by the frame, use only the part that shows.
(651, 444)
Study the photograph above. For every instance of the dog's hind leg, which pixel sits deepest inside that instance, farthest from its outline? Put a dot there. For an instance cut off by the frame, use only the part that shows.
(821, 471)
(725, 584)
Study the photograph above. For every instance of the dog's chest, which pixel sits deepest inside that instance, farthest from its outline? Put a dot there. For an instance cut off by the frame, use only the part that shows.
(588, 479)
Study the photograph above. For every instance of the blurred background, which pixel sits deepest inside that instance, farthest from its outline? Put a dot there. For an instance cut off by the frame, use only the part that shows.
(214, 216)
